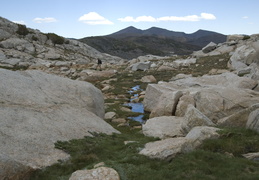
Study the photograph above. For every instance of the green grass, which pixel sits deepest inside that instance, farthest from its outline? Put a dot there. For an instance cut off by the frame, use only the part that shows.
(236, 141)
(203, 163)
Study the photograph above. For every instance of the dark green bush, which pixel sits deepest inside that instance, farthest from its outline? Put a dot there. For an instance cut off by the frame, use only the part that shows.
(56, 39)
(34, 38)
(246, 37)
(22, 30)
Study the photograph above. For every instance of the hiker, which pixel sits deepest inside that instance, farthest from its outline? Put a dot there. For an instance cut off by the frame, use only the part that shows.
(99, 64)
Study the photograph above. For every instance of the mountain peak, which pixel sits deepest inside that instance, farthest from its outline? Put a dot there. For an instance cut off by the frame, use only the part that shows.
(131, 30)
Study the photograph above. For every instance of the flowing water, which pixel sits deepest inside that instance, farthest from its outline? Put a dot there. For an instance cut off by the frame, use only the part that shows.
(136, 107)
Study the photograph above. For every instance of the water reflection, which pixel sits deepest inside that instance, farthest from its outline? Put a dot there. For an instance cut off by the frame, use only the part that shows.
(136, 107)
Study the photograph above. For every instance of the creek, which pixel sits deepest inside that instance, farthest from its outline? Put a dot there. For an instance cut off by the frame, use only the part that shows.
(136, 107)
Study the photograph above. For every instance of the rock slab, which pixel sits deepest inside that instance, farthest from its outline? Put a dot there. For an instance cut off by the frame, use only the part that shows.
(163, 127)
(39, 109)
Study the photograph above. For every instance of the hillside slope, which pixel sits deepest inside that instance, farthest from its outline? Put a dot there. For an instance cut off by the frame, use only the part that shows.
(132, 42)
(22, 47)
(133, 46)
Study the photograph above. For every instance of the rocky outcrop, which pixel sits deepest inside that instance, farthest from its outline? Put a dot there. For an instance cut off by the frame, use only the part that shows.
(244, 52)
(245, 55)
(193, 117)
(39, 109)
(167, 149)
(101, 173)
(216, 96)
(238, 119)
(22, 48)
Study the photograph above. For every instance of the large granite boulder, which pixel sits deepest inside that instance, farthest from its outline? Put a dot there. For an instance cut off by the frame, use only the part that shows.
(141, 66)
(39, 109)
(183, 104)
(245, 55)
(166, 105)
(163, 127)
(167, 149)
(161, 100)
(209, 47)
(239, 118)
(200, 133)
(193, 118)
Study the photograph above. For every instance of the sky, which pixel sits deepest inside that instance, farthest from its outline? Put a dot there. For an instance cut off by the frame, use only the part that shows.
(85, 18)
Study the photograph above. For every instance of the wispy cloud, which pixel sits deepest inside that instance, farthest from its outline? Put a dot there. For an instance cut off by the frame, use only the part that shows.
(20, 22)
(202, 16)
(177, 18)
(44, 20)
(138, 19)
(245, 17)
(93, 18)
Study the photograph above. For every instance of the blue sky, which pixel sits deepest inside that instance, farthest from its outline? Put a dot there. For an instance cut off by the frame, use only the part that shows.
(83, 18)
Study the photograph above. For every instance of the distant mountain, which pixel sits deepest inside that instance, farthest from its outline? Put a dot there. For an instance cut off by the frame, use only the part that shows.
(132, 42)
(153, 31)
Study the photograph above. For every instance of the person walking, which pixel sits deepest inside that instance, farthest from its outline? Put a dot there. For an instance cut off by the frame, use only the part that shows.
(99, 64)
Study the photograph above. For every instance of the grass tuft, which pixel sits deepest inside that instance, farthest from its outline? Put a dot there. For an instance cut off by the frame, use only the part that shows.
(236, 141)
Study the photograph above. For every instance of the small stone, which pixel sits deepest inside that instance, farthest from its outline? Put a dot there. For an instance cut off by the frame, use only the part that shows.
(99, 165)
(109, 115)
(119, 120)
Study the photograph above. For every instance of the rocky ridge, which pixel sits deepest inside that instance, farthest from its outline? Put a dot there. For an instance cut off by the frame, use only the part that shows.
(25, 48)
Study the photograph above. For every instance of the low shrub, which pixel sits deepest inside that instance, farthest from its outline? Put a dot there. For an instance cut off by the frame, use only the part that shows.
(246, 37)
(22, 30)
(56, 39)
(34, 38)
